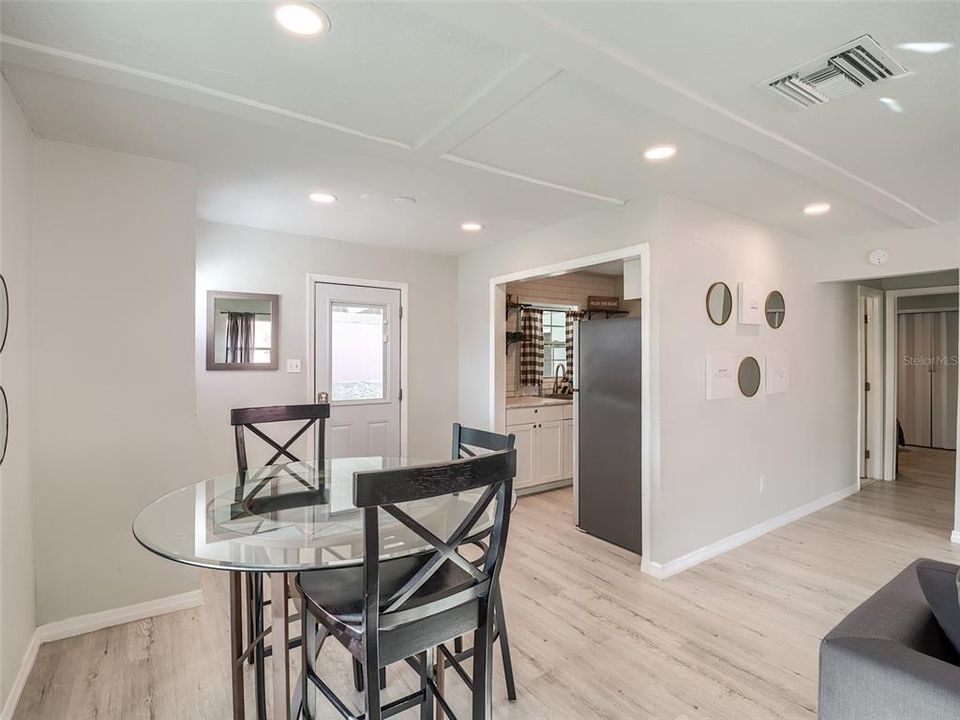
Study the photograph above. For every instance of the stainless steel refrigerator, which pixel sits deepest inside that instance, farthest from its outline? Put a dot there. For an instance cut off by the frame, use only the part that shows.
(607, 413)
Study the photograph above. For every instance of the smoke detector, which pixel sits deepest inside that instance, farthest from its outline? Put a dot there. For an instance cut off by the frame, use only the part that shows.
(836, 74)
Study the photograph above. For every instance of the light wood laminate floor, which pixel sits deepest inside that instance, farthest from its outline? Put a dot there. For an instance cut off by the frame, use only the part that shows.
(736, 637)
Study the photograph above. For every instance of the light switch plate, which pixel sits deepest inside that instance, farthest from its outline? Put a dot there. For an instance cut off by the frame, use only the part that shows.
(293, 365)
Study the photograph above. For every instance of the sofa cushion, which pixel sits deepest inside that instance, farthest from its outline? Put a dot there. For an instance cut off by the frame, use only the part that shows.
(939, 582)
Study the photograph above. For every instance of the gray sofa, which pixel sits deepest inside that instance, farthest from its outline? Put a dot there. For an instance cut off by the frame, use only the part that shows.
(889, 660)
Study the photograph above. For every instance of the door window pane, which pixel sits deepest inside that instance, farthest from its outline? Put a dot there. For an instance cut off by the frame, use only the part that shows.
(357, 352)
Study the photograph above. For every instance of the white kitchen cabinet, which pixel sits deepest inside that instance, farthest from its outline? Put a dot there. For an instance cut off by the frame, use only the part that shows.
(526, 470)
(549, 444)
(544, 442)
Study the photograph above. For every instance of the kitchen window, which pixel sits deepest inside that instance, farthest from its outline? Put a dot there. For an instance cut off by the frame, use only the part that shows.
(554, 339)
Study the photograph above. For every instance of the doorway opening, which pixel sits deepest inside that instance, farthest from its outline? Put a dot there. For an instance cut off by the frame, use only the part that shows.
(538, 379)
(919, 358)
(357, 362)
(920, 369)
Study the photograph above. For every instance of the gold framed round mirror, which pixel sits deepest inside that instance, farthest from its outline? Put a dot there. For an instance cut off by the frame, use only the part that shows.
(775, 308)
(719, 303)
(748, 376)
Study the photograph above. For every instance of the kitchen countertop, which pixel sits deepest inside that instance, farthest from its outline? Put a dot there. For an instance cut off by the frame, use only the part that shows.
(534, 401)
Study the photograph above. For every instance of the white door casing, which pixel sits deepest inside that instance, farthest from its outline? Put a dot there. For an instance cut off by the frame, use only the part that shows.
(357, 363)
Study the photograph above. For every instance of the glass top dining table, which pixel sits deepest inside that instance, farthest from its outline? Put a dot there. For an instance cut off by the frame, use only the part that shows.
(290, 517)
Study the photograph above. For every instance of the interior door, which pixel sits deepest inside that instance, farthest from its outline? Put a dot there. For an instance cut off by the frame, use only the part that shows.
(943, 380)
(914, 374)
(358, 365)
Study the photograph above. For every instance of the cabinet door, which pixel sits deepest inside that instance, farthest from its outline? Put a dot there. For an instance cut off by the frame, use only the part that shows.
(567, 448)
(526, 458)
(549, 444)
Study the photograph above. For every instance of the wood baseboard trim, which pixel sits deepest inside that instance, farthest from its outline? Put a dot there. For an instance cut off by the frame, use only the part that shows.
(118, 616)
(685, 562)
(20, 681)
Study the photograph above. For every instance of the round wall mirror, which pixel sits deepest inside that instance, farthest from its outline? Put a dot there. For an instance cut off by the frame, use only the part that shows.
(748, 376)
(719, 303)
(4, 424)
(4, 312)
(775, 308)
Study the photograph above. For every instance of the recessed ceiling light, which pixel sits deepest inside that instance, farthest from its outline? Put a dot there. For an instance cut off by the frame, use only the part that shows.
(472, 226)
(927, 48)
(302, 18)
(321, 197)
(659, 152)
(817, 208)
(892, 104)
(404, 200)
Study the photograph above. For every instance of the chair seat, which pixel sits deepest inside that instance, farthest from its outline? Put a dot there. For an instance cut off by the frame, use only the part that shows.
(338, 592)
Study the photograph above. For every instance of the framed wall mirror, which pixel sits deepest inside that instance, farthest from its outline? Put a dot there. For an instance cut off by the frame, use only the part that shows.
(748, 376)
(4, 424)
(4, 312)
(243, 331)
(719, 303)
(775, 308)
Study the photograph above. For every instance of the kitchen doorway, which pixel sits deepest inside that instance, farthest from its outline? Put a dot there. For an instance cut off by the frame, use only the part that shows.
(357, 364)
(526, 407)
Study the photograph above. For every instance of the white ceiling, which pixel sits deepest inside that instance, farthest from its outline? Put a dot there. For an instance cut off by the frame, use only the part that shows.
(519, 116)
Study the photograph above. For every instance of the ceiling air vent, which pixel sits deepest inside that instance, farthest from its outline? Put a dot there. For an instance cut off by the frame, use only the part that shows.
(836, 74)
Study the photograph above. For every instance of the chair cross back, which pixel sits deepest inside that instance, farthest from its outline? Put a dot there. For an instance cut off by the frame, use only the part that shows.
(384, 489)
(249, 418)
(465, 439)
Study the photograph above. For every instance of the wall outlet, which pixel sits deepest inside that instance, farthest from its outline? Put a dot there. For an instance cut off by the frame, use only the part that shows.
(763, 482)
(293, 365)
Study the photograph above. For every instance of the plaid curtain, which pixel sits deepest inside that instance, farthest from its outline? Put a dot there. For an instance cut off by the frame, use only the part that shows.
(531, 347)
(571, 317)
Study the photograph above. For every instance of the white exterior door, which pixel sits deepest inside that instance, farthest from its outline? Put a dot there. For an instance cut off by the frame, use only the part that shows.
(358, 365)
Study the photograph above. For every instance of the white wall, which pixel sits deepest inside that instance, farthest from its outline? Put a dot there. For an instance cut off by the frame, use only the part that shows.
(920, 250)
(712, 454)
(592, 234)
(707, 458)
(17, 586)
(243, 259)
(113, 370)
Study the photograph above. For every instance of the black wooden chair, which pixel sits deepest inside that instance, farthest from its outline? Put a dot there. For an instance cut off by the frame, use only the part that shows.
(403, 609)
(247, 420)
(466, 442)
